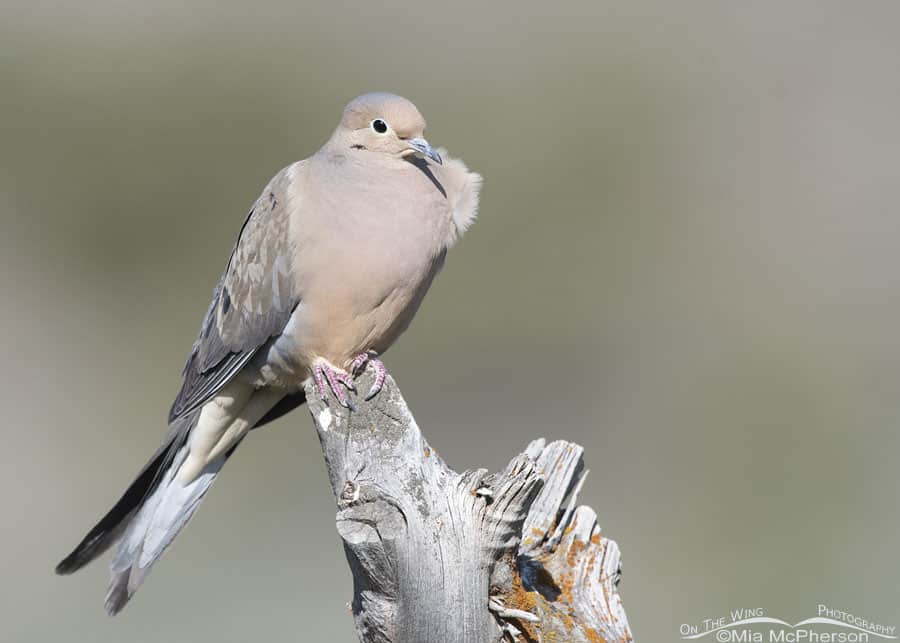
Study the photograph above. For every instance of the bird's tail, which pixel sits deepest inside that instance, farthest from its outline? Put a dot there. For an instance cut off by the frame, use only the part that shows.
(109, 528)
(146, 518)
(154, 508)
(154, 526)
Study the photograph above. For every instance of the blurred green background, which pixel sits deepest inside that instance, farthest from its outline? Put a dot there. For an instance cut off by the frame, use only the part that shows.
(687, 260)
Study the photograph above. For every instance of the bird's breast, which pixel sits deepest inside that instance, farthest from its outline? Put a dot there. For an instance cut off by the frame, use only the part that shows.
(362, 266)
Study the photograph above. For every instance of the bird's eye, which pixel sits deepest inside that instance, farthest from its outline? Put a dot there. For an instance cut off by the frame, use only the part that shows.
(379, 126)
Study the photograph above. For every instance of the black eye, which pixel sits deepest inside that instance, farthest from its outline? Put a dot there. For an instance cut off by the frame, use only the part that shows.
(379, 126)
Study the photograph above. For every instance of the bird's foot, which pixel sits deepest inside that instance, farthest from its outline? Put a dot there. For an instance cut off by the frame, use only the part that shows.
(328, 376)
(358, 366)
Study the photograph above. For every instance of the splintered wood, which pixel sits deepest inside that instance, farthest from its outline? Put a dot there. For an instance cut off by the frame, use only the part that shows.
(472, 557)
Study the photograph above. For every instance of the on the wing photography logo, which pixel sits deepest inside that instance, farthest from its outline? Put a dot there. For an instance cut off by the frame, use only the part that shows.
(753, 625)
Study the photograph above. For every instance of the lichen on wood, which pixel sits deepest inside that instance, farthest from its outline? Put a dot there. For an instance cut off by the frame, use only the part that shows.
(440, 556)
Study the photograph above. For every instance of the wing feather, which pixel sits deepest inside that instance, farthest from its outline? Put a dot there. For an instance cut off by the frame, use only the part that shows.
(252, 302)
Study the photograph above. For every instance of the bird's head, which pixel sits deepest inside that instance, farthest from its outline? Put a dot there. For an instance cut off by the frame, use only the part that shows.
(385, 124)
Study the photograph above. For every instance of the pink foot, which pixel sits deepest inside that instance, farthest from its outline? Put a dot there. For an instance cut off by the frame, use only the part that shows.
(327, 377)
(358, 366)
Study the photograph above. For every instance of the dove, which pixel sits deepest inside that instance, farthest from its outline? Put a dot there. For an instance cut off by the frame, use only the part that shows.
(329, 268)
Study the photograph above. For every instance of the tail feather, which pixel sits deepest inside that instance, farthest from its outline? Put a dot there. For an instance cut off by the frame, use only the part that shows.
(108, 530)
(153, 510)
(154, 527)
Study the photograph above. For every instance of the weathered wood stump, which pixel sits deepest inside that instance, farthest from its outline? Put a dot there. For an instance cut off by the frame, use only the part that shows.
(445, 557)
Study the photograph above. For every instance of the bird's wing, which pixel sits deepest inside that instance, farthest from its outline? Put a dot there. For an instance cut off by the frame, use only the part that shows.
(252, 302)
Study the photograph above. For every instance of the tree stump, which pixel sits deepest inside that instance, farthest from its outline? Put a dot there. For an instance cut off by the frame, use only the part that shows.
(445, 557)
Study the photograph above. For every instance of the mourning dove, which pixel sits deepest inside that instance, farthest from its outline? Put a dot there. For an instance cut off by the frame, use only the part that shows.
(328, 270)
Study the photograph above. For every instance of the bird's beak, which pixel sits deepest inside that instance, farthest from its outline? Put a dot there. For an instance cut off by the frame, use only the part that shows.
(421, 145)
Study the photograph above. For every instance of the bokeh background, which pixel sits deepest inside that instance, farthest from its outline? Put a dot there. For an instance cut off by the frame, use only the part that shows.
(687, 260)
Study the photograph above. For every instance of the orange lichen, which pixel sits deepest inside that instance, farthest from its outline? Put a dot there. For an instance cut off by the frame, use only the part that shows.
(575, 549)
(519, 597)
(566, 585)
(558, 610)
(589, 569)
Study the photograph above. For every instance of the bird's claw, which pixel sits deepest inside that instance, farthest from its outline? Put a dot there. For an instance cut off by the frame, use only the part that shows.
(327, 377)
(358, 366)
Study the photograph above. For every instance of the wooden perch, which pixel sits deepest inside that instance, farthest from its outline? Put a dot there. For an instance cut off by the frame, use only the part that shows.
(445, 557)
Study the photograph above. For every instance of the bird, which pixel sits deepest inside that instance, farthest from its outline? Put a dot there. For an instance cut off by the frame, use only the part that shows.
(329, 267)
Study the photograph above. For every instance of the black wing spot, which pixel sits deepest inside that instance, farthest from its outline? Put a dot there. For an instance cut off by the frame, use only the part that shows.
(423, 167)
(272, 200)
(226, 301)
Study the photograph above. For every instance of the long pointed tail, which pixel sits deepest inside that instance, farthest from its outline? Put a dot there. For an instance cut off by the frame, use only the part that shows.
(147, 517)
(157, 505)
(153, 528)
(109, 528)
